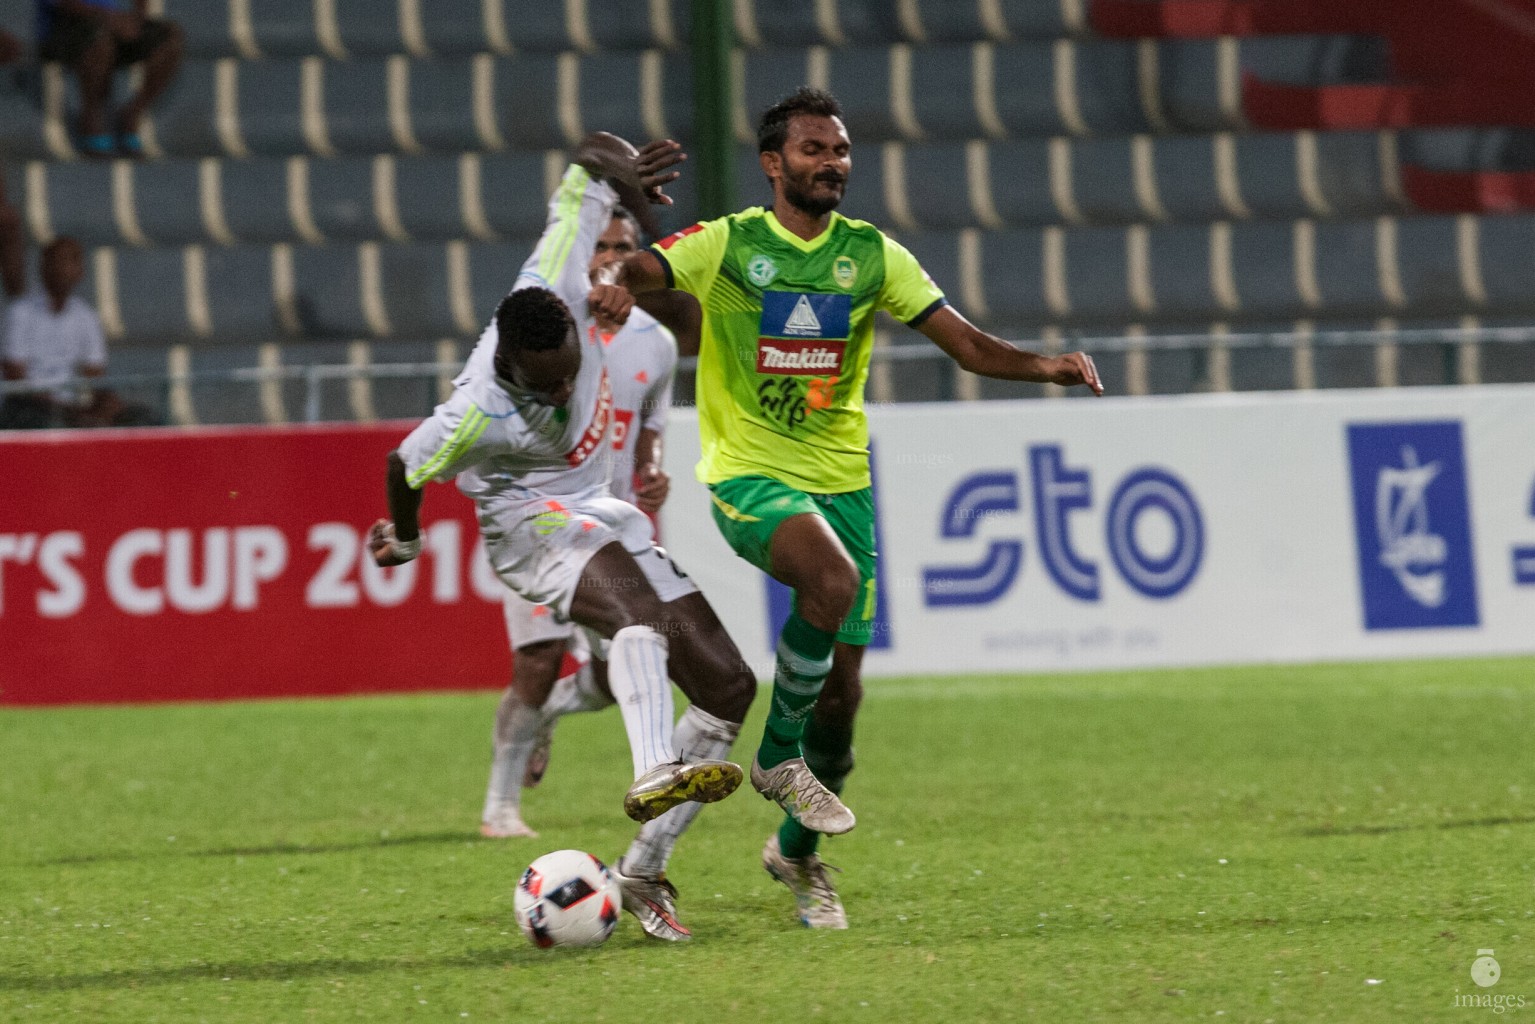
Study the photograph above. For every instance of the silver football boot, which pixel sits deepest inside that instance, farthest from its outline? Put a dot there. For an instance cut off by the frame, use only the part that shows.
(653, 902)
(794, 787)
(667, 785)
(807, 879)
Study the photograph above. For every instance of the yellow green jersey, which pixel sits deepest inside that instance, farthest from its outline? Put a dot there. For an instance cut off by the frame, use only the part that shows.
(788, 326)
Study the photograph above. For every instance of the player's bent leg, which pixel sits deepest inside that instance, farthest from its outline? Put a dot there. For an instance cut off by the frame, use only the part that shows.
(518, 720)
(641, 871)
(700, 737)
(705, 662)
(614, 598)
(574, 692)
(828, 741)
(790, 854)
(708, 666)
(807, 556)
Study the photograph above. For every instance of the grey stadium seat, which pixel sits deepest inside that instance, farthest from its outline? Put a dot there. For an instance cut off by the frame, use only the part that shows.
(1178, 257)
(1019, 177)
(1346, 268)
(356, 106)
(1504, 245)
(152, 293)
(937, 187)
(416, 298)
(1263, 268)
(239, 290)
(1013, 283)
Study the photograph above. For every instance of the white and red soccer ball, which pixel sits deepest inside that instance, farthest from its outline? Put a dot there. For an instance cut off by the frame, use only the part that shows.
(567, 898)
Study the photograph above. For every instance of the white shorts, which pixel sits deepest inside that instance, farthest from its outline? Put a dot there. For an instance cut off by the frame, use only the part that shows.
(541, 558)
(528, 623)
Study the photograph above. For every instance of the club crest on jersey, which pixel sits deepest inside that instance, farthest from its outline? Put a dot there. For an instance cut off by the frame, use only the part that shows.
(597, 429)
(844, 271)
(761, 270)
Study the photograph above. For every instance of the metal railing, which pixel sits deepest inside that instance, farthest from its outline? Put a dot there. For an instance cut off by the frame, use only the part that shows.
(313, 377)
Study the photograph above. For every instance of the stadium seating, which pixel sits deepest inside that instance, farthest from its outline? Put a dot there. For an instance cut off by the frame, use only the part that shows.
(344, 182)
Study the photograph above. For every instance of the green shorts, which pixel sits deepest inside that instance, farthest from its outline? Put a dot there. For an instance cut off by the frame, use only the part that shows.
(748, 509)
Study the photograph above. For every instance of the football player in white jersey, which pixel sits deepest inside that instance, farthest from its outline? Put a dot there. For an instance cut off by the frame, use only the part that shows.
(527, 435)
(551, 665)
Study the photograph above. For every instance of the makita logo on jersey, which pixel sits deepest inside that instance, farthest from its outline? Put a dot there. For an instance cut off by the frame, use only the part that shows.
(795, 358)
(597, 430)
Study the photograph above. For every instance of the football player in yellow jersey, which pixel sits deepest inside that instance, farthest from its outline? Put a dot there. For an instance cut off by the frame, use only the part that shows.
(789, 296)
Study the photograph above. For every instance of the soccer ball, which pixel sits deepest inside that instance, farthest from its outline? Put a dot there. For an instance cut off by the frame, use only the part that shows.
(567, 898)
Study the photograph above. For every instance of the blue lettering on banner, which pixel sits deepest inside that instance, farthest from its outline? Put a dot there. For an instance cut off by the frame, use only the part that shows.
(1060, 490)
(1412, 525)
(806, 315)
(1524, 556)
(780, 598)
(977, 497)
(1057, 492)
(1141, 491)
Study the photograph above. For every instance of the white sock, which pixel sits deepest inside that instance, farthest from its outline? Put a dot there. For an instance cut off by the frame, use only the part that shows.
(699, 737)
(574, 693)
(637, 675)
(516, 728)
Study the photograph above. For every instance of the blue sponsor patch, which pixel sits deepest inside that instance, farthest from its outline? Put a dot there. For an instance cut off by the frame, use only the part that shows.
(806, 315)
(1412, 522)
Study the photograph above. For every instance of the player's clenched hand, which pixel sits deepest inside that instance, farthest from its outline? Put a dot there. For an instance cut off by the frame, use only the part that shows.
(651, 486)
(1076, 368)
(653, 164)
(387, 549)
(610, 303)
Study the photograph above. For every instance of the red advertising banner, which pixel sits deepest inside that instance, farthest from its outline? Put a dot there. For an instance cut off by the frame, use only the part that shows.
(219, 563)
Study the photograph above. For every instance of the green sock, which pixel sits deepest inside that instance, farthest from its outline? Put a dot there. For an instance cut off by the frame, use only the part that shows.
(828, 753)
(804, 659)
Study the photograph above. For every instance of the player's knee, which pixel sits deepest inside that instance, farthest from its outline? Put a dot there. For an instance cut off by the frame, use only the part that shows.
(535, 667)
(831, 591)
(730, 693)
(640, 608)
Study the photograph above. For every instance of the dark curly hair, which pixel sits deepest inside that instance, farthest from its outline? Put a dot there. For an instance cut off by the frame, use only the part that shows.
(532, 320)
(773, 129)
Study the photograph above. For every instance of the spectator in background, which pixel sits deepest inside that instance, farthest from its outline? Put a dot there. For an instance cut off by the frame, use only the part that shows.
(96, 38)
(12, 253)
(53, 337)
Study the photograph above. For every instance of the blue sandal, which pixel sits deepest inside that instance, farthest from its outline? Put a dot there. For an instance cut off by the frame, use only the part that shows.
(130, 145)
(102, 145)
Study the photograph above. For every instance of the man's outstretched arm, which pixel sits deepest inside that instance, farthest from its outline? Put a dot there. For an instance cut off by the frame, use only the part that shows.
(397, 540)
(989, 356)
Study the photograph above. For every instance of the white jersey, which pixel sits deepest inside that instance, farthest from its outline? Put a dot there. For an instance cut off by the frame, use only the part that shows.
(509, 452)
(642, 358)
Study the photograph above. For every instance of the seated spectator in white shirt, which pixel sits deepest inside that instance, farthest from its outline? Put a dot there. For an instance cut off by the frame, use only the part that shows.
(52, 340)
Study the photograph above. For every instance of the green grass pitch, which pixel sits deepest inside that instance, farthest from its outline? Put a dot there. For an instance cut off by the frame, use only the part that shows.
(1280, 844)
